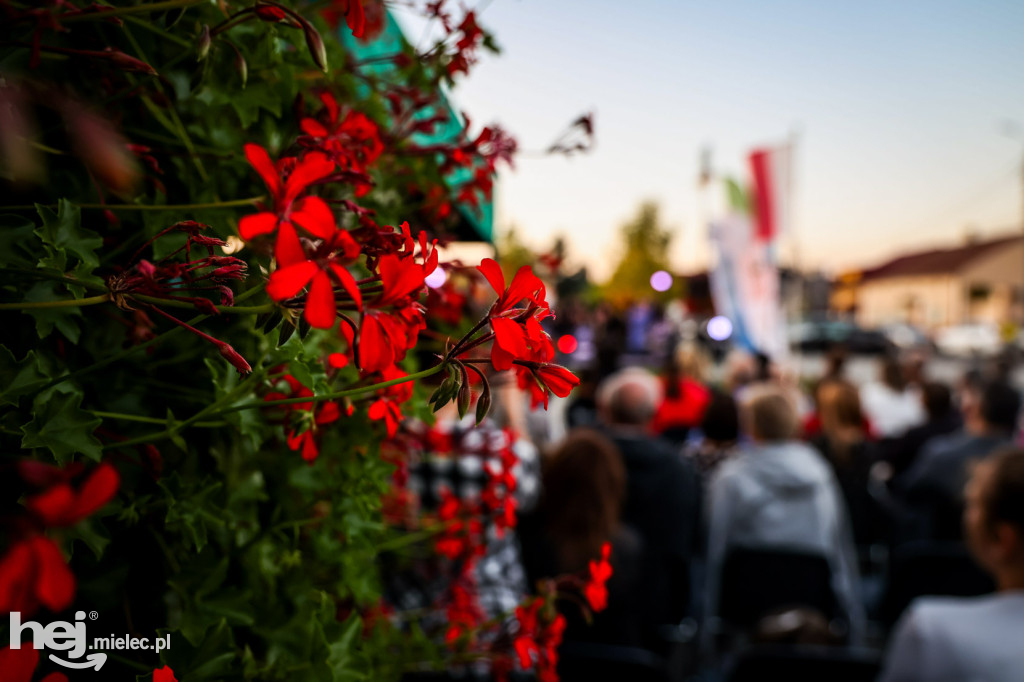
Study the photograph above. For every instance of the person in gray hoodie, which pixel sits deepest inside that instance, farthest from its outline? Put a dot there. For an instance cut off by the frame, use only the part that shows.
(778, 493)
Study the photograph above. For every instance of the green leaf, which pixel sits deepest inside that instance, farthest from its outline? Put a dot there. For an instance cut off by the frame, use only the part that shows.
(62, 427)
(16, 237)
(64, 319)
(64, 231)
(17, 377)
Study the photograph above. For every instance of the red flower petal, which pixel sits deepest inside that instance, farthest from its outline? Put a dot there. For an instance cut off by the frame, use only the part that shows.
(18, 664)
(400, 278)
(330, 412)
(375, 349)
(289, 281)
(55, 677)
(523, 285)
(312, 167)
(320, 307)
(347, 281)
(164, 674)
(260, 160)
(338, 360)
(313, 127)
(288, 249)
(315, 216)
(492, 272)
(509, 336)
(54, 506)
(331, 105)
(16, 572)
(55, 584)
(252, 226)
(97, 490)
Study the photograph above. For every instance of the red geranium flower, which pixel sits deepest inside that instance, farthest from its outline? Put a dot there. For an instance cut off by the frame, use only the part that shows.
(33, 573)
(164, 674)
(525, 285)
(351, 11)
(595, 590)
(326, 265)
(286, 180)
(353, 142)
(61, 505)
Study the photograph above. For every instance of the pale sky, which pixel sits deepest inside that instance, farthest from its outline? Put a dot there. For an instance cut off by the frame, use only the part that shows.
(899, 109)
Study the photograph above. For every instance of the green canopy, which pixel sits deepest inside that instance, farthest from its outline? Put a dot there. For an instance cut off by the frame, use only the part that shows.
(475, 222)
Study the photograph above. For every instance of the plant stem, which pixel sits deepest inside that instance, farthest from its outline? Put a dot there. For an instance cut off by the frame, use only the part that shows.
(145, 420)
(70, 303)
(237, 310)
(332, 396)
(128, 351)
(134, 9)
(155, 207)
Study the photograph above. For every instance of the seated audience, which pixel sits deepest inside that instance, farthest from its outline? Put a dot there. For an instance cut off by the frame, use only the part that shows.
(942, 419)
(684, 396)
(932, 487)
(718, 435)
(780, 494)
(844, 442)
(892, 405)
(583, 488)
(946, 639)
(662, 494)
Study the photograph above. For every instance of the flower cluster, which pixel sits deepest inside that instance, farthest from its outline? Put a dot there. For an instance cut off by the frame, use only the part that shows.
(33, 572)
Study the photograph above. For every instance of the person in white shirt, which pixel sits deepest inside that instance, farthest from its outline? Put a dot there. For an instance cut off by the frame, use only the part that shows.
(893, 406)
(974, 639)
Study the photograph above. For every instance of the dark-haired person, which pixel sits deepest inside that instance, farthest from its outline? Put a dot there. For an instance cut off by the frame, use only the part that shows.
(583, 486)
(943, 419)
(948, 639)
(932, 487)
(780, 494)
(662, 494)
(718, 437)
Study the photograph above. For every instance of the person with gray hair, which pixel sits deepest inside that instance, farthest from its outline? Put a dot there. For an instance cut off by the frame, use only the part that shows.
(780, 494)
(662, 495)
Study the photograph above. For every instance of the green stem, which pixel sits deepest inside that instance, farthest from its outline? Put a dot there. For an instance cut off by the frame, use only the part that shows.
(149, 26)
(409, 538)
(145, 420)
(71, 303)
(154, 207)
(237, 310)
(135, 9)
(333, 396)
(212, 407)
(128, 351)
(58, 278)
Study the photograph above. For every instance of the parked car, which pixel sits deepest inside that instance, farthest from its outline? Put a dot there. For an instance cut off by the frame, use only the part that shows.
(906, 336)
(969, 339)
(823, 335)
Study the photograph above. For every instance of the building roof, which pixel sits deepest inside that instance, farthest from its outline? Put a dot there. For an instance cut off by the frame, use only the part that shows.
(936, 261)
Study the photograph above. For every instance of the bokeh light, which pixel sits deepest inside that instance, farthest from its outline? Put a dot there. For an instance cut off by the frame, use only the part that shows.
(719, 328)
(436, 279)
(661, 281)
(567, 343)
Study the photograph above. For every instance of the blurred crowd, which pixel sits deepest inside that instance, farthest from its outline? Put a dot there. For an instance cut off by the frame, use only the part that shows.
(762, 524)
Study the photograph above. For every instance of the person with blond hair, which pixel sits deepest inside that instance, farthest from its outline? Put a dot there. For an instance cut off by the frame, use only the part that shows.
(780, 494)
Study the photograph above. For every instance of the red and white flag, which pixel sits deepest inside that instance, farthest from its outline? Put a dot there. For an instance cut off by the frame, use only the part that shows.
(772, 203)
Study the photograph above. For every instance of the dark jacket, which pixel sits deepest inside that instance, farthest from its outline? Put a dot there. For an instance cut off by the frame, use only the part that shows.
(663, 505)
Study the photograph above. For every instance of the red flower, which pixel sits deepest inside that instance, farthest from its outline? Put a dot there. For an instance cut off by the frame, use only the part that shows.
(327, 265)
(388, 411)
(164, 674)
(595, 590)
(351, 10)
(18, 664)
(525, 285)
(33, 572)
(286, 180)
(302, 434)
(353, 143)
(60, 505)
(557, 379)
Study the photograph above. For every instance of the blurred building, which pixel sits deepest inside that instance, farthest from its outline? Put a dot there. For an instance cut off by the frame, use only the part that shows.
(980, 281)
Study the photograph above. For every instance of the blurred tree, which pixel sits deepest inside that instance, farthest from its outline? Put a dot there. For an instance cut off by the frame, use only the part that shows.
(645, 244)
(513, 253)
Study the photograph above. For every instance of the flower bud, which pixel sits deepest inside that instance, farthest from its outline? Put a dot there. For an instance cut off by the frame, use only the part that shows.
(236, 360)
(203, 44)
(127, 62)
(315, 43)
